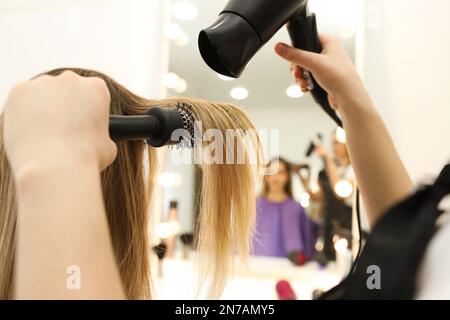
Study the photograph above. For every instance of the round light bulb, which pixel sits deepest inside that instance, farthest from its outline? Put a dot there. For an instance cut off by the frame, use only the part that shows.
(239, 93)
(181, 87)
(319, 246)
(305, 200)
(171, 80)
(174, 31)
(185, 10)
(341, 136)
(344, 189)
(294, 91)
(341, 245)
(170, 179)
(164, 230)
(183, 40)
(176, 34)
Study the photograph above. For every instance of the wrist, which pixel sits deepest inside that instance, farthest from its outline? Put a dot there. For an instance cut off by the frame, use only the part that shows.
(353, 97)
(53, 166)
(360, 113)
(360, 105)
(25, 153)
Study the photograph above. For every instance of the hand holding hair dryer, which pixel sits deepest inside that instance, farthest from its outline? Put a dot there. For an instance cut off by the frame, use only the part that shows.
(244, 26)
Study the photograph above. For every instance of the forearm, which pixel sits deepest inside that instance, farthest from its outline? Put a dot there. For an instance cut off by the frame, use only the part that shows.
(62, 223)
(381, 176)
(380, 173)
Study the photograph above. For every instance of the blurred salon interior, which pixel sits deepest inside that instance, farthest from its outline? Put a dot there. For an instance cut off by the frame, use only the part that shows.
(307, 231)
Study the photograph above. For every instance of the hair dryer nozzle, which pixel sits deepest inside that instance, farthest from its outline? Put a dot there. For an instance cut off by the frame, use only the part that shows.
(229, 44)
(244, 26)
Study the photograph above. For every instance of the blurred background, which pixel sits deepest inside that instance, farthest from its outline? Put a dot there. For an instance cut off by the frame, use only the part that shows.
(400, 48)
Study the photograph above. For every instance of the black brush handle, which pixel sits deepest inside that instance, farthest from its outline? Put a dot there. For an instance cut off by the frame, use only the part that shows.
(156, 127)
(133, 128)
(303, 33)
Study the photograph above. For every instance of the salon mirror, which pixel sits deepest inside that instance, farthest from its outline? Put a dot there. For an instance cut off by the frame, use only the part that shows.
(267, 93)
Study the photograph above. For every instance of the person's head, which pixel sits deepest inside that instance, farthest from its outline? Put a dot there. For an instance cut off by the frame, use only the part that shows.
(281, 179)
(339, 146)
(227, 213)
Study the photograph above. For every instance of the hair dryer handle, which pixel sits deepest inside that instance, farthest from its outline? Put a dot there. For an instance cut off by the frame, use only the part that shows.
(303, 33)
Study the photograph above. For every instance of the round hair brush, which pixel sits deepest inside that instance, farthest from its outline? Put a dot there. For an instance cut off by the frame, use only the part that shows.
(159, 127)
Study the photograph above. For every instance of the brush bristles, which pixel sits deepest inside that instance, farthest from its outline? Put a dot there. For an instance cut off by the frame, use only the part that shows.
(187, 140)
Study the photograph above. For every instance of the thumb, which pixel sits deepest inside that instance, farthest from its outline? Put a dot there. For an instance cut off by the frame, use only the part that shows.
(305, 59)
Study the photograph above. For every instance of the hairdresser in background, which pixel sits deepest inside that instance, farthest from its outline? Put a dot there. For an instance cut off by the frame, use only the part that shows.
(408, 242)
(62, 227)
(334, 195)
(282, 227)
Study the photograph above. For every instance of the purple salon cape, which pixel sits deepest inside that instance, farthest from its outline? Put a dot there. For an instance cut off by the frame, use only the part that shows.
(282, 228)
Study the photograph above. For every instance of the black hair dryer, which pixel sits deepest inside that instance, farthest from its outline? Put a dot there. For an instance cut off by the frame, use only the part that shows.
(244, 26)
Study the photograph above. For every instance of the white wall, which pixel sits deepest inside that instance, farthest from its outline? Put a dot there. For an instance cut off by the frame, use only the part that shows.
(407, 67)
(123, 39)
(296, 125)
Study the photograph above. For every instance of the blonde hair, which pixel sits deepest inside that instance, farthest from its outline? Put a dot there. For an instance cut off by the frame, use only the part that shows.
(227, 211)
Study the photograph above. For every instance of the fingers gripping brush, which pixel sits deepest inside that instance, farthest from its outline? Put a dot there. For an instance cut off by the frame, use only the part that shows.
(159, 127)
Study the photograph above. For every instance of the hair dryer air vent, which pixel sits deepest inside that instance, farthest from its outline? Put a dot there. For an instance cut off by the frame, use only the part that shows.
(229, 44)
(244, 26)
